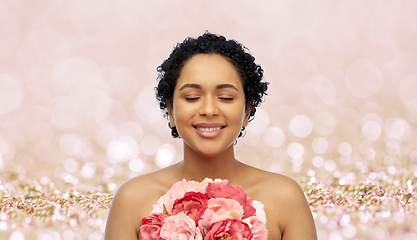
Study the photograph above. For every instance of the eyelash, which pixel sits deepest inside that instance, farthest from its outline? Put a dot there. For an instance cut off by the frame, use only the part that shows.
(196, 98)
(227, 99)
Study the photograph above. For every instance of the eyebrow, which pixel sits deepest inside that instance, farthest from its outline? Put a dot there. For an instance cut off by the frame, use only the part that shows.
(190, 85)
(226, 85)
(197, 86)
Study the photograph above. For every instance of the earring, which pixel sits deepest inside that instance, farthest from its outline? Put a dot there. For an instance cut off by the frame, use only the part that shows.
(174, 131)
(242, 132)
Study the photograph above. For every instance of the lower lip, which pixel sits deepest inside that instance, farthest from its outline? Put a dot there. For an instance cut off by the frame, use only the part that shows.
(211, 134)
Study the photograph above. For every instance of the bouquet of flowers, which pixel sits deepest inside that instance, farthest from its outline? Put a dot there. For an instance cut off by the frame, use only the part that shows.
(210, 210)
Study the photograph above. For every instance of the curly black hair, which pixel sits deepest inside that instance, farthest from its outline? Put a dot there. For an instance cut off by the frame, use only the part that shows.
(236, 53)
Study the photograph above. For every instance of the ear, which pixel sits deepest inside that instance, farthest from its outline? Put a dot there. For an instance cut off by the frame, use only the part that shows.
(170, 114)
(247, 114)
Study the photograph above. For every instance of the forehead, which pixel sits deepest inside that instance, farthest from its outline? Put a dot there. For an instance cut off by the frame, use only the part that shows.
(209, 69)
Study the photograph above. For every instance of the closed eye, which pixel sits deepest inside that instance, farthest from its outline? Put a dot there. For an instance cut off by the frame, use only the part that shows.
(226, 98)
(191, 98)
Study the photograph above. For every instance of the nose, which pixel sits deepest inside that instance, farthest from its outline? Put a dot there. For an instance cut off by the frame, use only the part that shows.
(208, 107)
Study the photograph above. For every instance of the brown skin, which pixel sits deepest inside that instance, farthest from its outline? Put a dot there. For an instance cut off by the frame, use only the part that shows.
(287, 211)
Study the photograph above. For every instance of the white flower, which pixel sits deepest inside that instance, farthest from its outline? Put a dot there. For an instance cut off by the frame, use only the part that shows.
(260, 212)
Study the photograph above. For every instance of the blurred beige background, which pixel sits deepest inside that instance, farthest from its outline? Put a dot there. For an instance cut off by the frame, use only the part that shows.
(77, 105)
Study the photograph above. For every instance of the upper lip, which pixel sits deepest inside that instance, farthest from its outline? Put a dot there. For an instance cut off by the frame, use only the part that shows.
(208, 125)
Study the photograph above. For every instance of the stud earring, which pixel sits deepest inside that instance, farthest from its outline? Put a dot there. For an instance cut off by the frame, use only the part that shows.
(242, 132)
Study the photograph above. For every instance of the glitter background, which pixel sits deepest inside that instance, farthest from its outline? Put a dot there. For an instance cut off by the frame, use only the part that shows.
(78, 114)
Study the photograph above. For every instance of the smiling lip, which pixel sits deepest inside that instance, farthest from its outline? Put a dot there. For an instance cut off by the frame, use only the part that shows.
(209, 130)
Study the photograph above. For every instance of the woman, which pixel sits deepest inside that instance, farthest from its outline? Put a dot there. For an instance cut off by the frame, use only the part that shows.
(209, 88)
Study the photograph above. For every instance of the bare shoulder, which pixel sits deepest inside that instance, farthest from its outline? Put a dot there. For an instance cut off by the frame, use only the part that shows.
(288, 213)
(284, 187)
(274, 189)
(146, 189)
(133, 201)
(275, 185)
(284, 192)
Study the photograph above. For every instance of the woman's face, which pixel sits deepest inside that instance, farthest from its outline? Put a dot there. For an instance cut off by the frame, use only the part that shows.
(208, 104)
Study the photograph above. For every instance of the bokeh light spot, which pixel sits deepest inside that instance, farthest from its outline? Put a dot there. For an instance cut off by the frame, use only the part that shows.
(295, 150)
(298, 161)
(396, 128)
(344, 149)
(136, 165)
(70, 165)
(371, 130)
(88, 170)
(274, 137)
(301, 126)
(330, 165)
(165, 155)
(335, 235)
(121, 150)
(319, 145)
(109, 172)
(318, 161)
(17, 236)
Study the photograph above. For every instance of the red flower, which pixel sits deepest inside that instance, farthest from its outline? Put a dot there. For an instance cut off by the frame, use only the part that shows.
(193, 204)
(229, 229)
(151, 226)
(225, 190)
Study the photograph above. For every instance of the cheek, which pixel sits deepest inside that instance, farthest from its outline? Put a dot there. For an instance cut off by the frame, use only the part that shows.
(182, 112)
(237, 114)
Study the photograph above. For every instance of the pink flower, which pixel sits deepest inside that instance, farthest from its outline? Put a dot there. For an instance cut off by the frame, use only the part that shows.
(225, 190)
(206, 181)
(193, 204)
(257, 227)
(180, 226)
(151, 226)
(249, 209)
(177, 191)
(219, 209)
(229, 229)
(180, 188)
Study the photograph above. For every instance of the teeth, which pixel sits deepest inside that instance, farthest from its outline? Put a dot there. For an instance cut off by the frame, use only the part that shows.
(208, 129)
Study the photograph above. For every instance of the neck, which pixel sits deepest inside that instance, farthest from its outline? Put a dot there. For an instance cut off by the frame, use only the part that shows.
(197, 167)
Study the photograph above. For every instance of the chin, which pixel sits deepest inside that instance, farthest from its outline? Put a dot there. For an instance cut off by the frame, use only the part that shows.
(210, 152)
